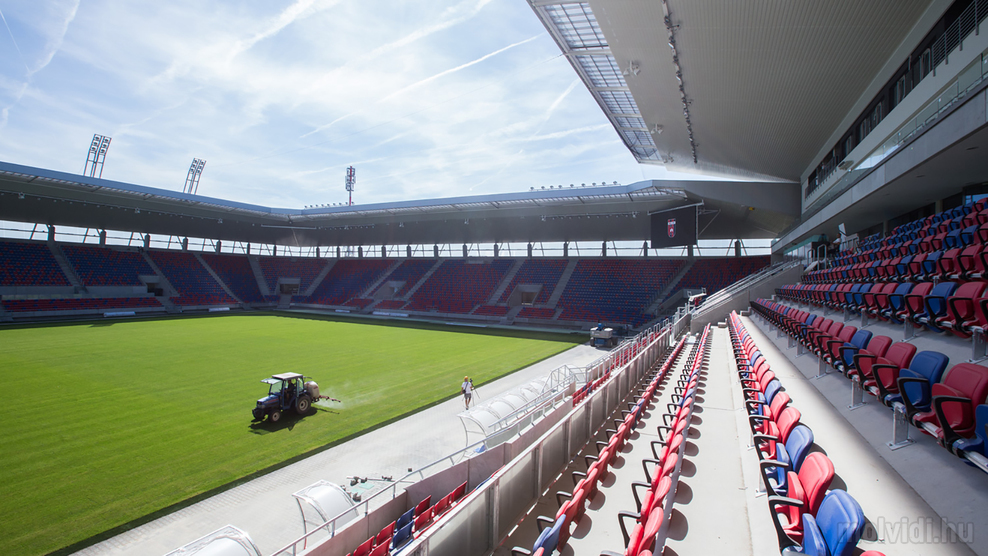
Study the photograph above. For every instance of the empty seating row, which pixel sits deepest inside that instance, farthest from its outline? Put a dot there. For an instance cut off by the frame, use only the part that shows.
(105, 266)
(346, 280)
(237, 274)
(81, 303)
(543, 272)
(304, 268)
(537, 313)
(29, 264)
(808, 519)
(615, 291)
(410, 525)
(654, 505)
(410, 272)
(195, 285)
(950, 228)
(459, 285)
(947, 307)
(715, 274)
(948, 404)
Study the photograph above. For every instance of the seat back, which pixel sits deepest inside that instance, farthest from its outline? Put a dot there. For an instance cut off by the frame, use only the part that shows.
(936, 301)
(815, 476)
(879, 345)
(900, 354)
(967, 380)
(798, 445)
(839, 522)
(787, 420)
(961, 303)
(928, 365)
(898, 299)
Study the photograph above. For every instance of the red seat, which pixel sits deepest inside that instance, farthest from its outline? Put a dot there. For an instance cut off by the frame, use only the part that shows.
(898, 356)
(809, 486)
(961, 309)
(964, 387)
(423, 505)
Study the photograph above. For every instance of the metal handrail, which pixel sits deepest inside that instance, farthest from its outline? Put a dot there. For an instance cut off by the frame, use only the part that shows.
(453, 459)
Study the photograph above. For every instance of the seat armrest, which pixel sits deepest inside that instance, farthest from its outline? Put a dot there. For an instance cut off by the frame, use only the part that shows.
(949, 436)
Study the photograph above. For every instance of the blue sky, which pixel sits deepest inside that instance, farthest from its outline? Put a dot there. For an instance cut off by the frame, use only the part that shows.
(425, 98)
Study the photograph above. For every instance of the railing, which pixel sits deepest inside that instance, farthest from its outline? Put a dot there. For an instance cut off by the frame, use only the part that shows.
(714, 300)
(967, 80)
(482, 520)
(940, 51)
(646, 345)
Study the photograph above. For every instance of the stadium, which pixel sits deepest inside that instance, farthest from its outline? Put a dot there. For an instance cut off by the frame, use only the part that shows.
(784, 353)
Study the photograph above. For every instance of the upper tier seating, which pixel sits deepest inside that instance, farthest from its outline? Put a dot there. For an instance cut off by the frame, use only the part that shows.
(537, 271)
(459, 285)
(615, 290)
(237, 274)
(29, 264)
(193, 282)
(303, 268)
(347, 280)
(104, 266)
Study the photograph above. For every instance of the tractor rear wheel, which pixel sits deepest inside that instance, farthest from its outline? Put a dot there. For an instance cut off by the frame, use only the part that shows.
(274, 416)
(303, 404)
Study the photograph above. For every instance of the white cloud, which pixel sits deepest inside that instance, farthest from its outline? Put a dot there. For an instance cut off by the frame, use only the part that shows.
(425, 98)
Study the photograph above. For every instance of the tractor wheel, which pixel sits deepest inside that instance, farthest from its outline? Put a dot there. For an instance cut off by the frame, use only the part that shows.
(274, 416)
(303, 404)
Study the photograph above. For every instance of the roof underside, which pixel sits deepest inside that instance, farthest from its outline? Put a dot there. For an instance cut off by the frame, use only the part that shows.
(765, 83)
(609, 213)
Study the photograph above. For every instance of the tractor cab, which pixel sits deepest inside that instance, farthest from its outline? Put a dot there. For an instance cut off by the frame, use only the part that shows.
(285, 391)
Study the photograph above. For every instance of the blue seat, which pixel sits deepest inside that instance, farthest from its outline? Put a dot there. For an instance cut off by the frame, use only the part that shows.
(978, 444)
(836, 529)
(915, 381)
(402, 536)
(787, 457)
(405, 519)
(936, 305)
(847, 351)
(897, 301)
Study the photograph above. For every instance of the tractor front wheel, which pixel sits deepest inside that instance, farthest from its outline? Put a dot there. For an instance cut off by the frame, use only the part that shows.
(274, 416)
(303, 404)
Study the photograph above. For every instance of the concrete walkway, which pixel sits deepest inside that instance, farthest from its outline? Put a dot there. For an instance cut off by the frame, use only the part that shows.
(264, 507)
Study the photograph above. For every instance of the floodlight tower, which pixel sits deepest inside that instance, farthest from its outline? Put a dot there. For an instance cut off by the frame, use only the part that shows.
(351, 181)
(192, 179)
(96, 156)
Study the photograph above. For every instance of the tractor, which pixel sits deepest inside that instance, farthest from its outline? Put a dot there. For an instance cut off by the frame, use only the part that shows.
(287, 391)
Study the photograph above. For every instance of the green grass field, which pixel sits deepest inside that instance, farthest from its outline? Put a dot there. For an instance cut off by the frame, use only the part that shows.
(107, 423)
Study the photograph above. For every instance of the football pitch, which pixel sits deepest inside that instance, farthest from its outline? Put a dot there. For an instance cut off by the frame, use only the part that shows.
(106, 423)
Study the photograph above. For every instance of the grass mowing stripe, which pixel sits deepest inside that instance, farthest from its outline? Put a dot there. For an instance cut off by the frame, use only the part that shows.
(123, 420)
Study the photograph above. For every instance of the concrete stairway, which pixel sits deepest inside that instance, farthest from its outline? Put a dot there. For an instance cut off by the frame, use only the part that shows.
(425, 277)
(319, 278)
(67, 269)
(369, 292)
(507, 280)
(561, 284)
(654, 305)
(262, 283)
(217, 278)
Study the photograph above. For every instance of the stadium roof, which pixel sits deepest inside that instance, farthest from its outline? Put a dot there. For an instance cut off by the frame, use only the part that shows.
(766, 85)
(603, 213)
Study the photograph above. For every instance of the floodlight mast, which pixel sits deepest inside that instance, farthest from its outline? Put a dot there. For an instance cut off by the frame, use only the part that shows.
(351, 181)
(96, 155)
(192, 179)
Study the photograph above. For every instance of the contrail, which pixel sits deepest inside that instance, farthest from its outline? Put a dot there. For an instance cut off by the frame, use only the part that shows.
(21, 55)
(458, 68)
